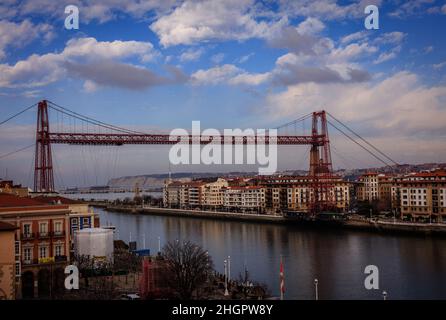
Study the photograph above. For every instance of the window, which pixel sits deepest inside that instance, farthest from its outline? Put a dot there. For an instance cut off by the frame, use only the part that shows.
(43, 252)
(17, 248)
(17, 269)
(43, 228)
(27, 254)
(57, 227)
(27, 229)
(58, 250)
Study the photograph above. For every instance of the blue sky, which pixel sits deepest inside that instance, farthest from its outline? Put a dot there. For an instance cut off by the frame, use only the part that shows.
(245, 63)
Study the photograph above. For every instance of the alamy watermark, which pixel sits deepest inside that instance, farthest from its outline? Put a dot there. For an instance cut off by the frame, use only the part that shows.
(72, 20)
(233, 146)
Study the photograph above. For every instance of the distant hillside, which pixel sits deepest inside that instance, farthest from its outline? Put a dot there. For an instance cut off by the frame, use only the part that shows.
(152, 181)
(156, 181)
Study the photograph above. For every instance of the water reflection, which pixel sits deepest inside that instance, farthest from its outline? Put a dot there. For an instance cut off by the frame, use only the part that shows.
(410, 267)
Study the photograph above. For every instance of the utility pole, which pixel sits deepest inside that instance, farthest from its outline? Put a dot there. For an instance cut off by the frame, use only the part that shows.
(316, 294)
(226, 278)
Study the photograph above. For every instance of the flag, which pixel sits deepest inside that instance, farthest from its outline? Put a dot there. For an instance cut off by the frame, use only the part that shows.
(282, 280)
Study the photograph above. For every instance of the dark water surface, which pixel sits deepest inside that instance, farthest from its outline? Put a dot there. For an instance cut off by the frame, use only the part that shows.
(409, 267)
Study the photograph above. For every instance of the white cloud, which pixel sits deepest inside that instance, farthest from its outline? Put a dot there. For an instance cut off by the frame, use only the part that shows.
(443, 9)
(325, 9)
(399, 105)
(245, 58)
(191, 54)
(250, 79)
(17, 35)
(414, 7)
(395, 37)
(439, 65)
(385, 56)
(90, 86)
(40, 70)
(101, 11)
(215, 75)
(360, 35)
(92, 49)
(351, 52)
(198, 21)
(310, 26)
(228, 74)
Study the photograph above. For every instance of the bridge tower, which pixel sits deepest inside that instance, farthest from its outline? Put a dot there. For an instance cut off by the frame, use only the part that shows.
(321, 171)
(43, 163)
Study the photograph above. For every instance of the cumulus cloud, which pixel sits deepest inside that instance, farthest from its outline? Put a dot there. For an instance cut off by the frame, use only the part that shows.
(400, 104)
(310, 26)
(326, 9)
(356, 36)
(97, 10)
(19, 34)
(199, 21)
(215, 75)
(414, 7)
(191, 54)
(99, 62)
(115, 74)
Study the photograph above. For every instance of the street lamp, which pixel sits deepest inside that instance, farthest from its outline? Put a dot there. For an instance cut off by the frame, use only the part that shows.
(315, 289)
(229, 269)
(226, 279)
(384, 295)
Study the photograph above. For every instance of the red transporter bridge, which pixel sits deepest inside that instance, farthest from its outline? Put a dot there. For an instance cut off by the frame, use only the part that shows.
(320, 173)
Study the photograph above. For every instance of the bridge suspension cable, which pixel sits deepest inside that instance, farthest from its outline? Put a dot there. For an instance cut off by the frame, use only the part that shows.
(90, 120)
(362, 139)
(360, 145)
(16, 151)
(17, 114)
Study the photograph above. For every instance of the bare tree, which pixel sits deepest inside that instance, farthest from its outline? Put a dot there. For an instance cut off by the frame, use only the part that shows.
(188, 267)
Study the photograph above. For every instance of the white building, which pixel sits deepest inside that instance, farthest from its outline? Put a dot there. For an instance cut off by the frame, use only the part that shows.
(96, 243)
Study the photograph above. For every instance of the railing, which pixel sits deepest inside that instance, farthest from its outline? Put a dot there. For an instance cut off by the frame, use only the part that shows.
(48, 260)
(58, 233)
(44, 235)
(28, 235)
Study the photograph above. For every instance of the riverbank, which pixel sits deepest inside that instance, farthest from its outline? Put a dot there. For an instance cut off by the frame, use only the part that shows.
(352, 223)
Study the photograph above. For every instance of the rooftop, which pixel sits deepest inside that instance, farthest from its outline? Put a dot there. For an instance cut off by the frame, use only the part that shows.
(11, 200)
(56, 200)
(7, 226)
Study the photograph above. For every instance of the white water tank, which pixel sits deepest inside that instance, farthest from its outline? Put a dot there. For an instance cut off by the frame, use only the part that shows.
(97, 243)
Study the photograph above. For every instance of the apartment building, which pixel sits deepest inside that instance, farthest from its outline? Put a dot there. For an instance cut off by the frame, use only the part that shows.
(8, 186)
(42, 245)
(368, 187)
(273, 194)
(295, 193)
(7, 261)
(213, 193)
(420, 196)
(206, 193)
(246, 197)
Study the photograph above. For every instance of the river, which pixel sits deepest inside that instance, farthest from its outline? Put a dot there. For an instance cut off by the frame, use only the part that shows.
(409, 267)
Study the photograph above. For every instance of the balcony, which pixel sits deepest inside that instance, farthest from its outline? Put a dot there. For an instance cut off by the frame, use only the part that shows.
(47, 260)
(28, 236)
(44, 235)
(57, 234)
(60, 259)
